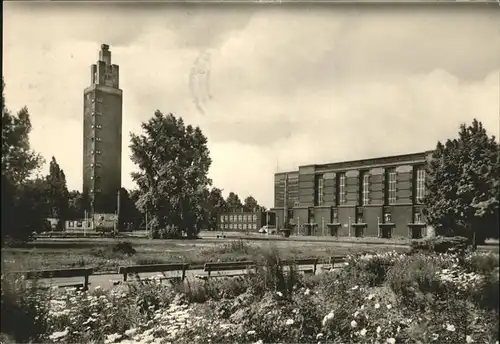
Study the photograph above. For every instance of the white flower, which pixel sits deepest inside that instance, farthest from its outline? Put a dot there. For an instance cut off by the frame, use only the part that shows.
(259, 342)
(355, 287)
(363, 332)
(279, 293)
(389, 306)
(58, 335)
(354, 324)
(390, 341)
(468, 339)
(379, 329)
(307, 292)
(319, 336)
(112, 338)
(289, 322)
(362, 307)
(450, 327)
(356, 314)
(328, 318)
(131, 332)
(251, 332)
(377, 306)
(371, 296)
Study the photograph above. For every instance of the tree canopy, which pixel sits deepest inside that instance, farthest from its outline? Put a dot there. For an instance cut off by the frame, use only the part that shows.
(173, 161)
(463, 185)
(58, 192)
(19, 217)
(233, 202)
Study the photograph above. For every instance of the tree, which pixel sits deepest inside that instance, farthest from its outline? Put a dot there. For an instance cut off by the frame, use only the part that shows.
(233, 202)
(250, 204)
(216, 206)
(19, 163)
(173, 160)
(58, 193)
(130, 216)
(76, 205)
(463, 185)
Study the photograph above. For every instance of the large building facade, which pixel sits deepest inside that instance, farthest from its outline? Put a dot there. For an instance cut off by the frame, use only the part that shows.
(102, 136)
(372, 197)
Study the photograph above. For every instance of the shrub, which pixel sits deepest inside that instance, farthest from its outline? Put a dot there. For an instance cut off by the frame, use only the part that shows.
(24, 309)
(439, 244)
(124, 247)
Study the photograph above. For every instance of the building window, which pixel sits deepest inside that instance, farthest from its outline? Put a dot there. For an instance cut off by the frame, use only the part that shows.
(418, 217)
(99, 100)
(255, 217)
(93, 100)
(231, 218)
(365, 189)
(240, 218)
(341, 188)
(335, 216)
(319, 190)
(98, 139)
(244, 226)
(391, 194)
(420, 185)
(222, 219)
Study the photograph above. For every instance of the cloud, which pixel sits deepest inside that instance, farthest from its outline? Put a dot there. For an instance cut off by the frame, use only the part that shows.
(272, 87)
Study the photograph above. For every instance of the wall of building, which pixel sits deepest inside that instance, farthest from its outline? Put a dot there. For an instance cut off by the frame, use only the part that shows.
(402, 210)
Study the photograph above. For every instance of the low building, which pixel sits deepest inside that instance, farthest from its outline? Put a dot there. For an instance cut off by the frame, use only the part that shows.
(244, 221)
(371, 197)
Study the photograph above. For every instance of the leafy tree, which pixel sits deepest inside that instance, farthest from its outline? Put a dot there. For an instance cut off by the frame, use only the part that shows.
(233, 202)
(130, 216)
(173, 160)
(19, 163)
(76, 204)
(250, 204)
(464, 185)
(216, 206)
(58, 193)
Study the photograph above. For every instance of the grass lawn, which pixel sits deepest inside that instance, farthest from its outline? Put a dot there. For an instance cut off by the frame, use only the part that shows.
(98, 253)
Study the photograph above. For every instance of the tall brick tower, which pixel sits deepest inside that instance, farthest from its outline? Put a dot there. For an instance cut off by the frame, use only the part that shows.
(102, 136)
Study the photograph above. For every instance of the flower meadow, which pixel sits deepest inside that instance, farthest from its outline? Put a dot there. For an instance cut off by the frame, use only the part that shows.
(377, 298)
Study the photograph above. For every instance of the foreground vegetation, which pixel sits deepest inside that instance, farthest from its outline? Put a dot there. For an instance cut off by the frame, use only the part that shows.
(378, 298)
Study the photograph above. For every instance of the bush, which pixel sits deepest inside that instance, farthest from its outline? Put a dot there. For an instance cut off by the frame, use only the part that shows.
(439, 244)
(24, 310)
(124, 247)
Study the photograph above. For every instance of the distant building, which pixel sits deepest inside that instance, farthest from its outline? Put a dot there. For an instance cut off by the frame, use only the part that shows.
(102, 136)
(372, 197)
(244, 221)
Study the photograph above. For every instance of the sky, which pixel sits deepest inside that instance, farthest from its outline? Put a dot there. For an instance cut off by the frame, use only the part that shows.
(272, 87)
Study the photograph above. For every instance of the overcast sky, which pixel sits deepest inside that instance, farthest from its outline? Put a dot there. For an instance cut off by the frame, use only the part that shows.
(273, 87)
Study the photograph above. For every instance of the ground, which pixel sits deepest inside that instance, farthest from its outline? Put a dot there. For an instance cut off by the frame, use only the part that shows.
(98, 252)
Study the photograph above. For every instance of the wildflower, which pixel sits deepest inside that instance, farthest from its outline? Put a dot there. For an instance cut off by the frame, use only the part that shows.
(259, 342)
(355, 287)
(251, 332)
(389, 306)
(468, 339)
(307, 292)
(112, 338)
(379, 329)
(59, 335)
(377, 306)
(279, 293)
(363, 332)
(371, 296)
(356, 314)
(450, 327)
(362, 307)
(390, 341)
(319, 336)
(328, 318)
(131, 332)
(289, 322)
(354, 324)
